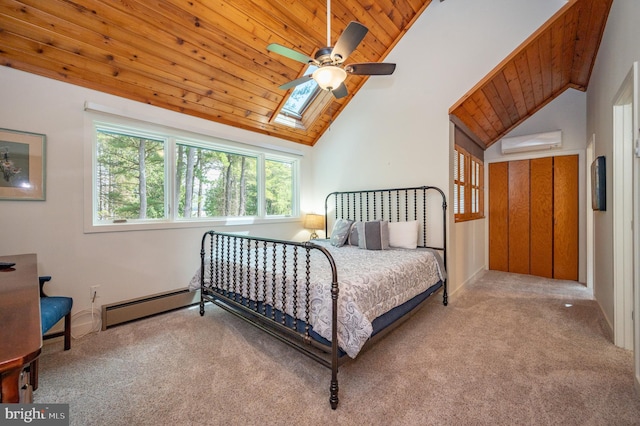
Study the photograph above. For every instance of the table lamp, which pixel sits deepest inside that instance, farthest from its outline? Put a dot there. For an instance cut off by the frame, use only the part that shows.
(314, 222)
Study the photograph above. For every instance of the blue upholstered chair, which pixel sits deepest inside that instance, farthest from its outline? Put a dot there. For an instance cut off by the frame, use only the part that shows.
(52, 310)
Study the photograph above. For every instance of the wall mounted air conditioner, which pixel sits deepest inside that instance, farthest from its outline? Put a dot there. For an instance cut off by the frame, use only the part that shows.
(537, 142)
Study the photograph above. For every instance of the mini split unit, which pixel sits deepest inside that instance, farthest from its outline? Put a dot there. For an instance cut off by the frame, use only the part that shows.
(537, 142)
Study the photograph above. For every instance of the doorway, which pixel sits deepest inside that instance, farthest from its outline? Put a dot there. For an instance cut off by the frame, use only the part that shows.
(626, 212)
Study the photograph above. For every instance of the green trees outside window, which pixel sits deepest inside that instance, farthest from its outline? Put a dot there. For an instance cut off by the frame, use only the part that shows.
(133, 180)
(215, 183)
(130, 176)
(279, 185)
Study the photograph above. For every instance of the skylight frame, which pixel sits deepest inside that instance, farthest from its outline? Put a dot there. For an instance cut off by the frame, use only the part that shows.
(297, 113)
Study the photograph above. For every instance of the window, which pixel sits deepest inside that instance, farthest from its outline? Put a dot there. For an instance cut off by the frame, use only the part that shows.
(301, 97)
(145, 176)
(130, 174)
(468, 186)
(214, 183)
(279, 187)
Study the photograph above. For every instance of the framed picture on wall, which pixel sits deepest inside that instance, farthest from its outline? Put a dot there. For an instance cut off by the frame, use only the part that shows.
(22, 165)
(598, 184)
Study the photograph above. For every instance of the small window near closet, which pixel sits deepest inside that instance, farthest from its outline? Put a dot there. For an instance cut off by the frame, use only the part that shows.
(468, 186)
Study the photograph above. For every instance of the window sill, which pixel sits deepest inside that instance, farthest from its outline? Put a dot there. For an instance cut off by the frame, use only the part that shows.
(467, 219)
(184, 224)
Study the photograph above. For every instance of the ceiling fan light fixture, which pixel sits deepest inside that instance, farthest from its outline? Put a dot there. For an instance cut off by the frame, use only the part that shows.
(329, 77)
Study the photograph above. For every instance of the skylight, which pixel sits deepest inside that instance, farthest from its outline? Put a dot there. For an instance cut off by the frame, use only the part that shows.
(301, 97)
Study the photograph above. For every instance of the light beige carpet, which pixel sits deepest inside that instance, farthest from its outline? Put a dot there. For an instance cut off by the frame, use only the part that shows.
(509, 349)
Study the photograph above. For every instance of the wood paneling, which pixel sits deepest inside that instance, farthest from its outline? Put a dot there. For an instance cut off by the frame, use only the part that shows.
(210, 60)
(542, 217)
(558, 56)
(499, 216)
(206, 59)
(533, 217)
(565, 226)
(519, 214)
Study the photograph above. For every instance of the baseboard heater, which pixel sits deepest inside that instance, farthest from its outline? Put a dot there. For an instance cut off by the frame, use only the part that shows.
(134, 309)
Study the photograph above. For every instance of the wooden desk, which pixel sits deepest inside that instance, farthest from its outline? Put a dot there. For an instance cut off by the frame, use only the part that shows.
(20, 329)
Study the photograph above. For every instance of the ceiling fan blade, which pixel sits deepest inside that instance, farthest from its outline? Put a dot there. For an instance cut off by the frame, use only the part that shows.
(370, 68)
(289, 53)
(296, 82)
(348, 41)
(340, 92)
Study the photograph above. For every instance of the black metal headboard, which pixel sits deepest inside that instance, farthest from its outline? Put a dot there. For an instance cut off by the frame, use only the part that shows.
(395, 205)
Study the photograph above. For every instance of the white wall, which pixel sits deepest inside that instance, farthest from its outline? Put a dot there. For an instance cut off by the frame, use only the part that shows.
(125, 264)
(618, 50)
(396, 131)
(567, 113)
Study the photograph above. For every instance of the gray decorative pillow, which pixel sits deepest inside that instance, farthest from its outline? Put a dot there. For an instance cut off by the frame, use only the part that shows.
(340, 232)
(353, 235)
(373, 235)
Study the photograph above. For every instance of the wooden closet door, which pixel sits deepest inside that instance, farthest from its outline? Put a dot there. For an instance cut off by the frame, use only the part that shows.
(533, 217)
(542, 217)
(499, 216)
(565, 226)
(519, 216)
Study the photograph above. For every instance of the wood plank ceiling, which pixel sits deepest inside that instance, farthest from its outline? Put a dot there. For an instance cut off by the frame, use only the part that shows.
(209, 59)
(558, 56)
(203, 58)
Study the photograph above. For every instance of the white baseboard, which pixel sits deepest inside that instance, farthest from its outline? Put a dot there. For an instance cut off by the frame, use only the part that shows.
(606, 325)
(476, 275)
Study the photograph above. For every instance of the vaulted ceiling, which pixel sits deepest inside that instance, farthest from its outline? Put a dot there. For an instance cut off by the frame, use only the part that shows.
(558, 56)
(203, 58)
(209, 58)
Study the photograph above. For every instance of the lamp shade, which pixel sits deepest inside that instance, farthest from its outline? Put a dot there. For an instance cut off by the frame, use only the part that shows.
(314, 221)
(329, 77)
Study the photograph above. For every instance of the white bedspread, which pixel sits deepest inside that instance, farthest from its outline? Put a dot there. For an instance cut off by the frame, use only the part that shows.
(371, 282)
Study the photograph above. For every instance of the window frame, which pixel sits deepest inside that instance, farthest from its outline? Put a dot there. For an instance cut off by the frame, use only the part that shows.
(172, 138)
(470, 183)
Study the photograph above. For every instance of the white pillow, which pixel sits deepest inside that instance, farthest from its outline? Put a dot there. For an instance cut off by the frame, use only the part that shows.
(403, 234)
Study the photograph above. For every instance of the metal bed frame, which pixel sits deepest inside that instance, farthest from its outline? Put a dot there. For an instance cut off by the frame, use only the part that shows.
(232, 261)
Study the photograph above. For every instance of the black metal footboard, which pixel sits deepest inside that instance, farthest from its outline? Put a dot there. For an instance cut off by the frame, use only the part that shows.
(267, 283)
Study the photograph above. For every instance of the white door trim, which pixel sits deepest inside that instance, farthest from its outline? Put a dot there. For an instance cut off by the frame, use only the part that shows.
(589, 153)
(626, 205)
(623, 214)
(636, 220)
